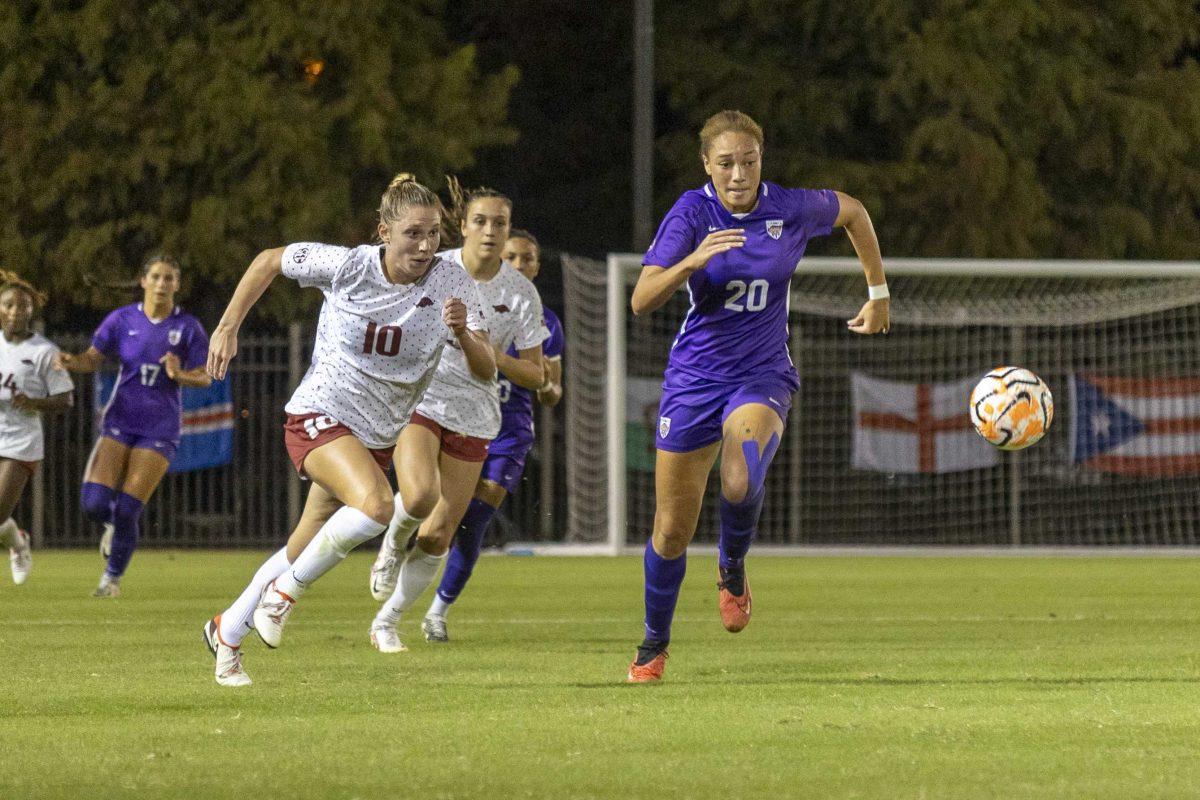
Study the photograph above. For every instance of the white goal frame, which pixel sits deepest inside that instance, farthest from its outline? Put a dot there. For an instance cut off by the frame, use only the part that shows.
(623, 269)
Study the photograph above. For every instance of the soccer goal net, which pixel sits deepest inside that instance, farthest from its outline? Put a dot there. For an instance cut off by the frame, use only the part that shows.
(879, 448)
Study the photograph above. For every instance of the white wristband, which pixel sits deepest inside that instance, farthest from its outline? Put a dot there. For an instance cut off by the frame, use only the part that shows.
(879, 292)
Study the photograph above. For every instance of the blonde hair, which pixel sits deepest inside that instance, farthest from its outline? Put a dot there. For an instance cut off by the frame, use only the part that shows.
(11, 280)
(460, 201)
(405, 192)
(725, 122)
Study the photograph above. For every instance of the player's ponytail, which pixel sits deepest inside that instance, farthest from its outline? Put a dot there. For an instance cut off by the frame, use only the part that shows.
(11, 280)
(405, 192)
(460, 202)
(724, 122)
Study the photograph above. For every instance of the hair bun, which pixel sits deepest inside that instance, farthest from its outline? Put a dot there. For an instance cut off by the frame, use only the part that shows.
(402, 178)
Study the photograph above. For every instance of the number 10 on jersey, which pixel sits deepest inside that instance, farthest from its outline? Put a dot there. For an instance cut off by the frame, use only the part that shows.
(383, 340)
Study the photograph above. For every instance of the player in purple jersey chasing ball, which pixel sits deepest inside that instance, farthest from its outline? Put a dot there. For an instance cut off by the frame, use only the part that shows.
(160, 348)
(734, 243)
(505, 461)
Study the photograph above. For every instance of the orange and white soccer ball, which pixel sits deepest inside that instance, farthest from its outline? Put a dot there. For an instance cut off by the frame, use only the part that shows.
(1012, 408)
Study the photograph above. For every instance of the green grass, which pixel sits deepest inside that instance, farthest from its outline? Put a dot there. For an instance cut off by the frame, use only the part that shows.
(859, 677)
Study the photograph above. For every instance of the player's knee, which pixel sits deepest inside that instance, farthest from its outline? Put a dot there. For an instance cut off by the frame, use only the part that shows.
(378, 505)
(671, 537)
(420, 498)
(96, 500)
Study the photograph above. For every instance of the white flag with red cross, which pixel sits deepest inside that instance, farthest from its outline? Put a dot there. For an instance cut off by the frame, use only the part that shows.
(916, 427)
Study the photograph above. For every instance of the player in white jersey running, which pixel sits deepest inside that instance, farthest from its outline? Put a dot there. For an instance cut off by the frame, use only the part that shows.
(459, 415)
(380, 336)
(30, 385)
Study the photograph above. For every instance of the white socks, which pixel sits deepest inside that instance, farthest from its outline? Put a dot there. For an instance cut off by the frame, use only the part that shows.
(8, 533)
(345, 530)
(238, 619)
(438, 607)
(401, 527)
(416, 573)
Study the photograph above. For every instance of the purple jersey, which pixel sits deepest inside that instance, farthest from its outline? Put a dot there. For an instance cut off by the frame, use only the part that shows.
(516, 402)
(736, 327)
(145, 401)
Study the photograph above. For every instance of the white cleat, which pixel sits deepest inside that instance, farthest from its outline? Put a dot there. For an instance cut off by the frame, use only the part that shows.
(21, 558)
(271, 614)
(106, 541)
(229, 671)
(385, 639)
(434, 628)
(385, 572)
(108, 587)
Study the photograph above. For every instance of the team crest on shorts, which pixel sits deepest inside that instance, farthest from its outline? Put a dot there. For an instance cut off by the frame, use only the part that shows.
(774, 228)
(664, 427)
(174, 335)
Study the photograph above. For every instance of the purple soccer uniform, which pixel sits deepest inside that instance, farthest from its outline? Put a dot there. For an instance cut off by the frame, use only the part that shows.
(506, 455)
(732, 348)
(144, 410)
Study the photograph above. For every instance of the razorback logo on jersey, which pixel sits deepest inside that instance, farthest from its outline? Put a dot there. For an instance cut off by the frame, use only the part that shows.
(300, 254)
(501, 309)
(424, 301)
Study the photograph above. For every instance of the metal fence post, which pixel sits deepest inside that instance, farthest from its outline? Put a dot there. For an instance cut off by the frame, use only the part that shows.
(546, 434)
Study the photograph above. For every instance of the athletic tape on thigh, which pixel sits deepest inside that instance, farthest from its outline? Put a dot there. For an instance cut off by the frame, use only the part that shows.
(757, 463)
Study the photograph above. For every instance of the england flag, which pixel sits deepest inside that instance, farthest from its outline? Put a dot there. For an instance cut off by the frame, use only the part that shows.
(1136, 426)
(902, 427)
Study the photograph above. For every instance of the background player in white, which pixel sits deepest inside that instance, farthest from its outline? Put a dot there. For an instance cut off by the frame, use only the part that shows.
(30, 385)
(382, 329)
(459, 414)
(505, 462)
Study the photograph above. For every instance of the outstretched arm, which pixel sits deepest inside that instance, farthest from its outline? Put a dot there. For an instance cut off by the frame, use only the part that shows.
(223, 345)
(87, 361)
(656, 284)
(873, 317)
(525, 370)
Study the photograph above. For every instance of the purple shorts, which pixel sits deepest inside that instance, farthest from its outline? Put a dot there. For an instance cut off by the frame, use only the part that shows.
(693, 410)
(164, 447)
(504, 469)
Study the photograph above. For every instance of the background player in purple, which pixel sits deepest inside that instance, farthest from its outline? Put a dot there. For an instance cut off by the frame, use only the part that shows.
(505, 461)
(729, 381)
(160, 348)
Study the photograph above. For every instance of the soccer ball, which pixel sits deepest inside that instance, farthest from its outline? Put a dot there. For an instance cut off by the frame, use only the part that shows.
(1012, 408)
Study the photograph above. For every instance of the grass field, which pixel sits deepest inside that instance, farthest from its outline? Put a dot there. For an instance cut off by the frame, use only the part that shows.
(859, 677)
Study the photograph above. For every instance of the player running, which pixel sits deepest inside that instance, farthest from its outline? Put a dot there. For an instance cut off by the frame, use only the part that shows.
(444, 449)
(729, 380)
(30, 386)
(505, 461)
(160, 348)
(389, 311)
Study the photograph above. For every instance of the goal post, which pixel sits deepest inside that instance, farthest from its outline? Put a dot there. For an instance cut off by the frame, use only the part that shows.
(1119, 343)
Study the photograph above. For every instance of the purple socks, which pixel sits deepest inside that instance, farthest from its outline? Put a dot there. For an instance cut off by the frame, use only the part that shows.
(468, 541)
(663, 579)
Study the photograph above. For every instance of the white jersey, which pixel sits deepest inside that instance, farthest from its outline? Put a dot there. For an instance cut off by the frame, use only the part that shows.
(27, 368)
(456, 399)
(377, 342)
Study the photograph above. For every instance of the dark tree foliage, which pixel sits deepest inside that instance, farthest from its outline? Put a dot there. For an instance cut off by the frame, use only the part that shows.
(190, 126)
(1022, 128)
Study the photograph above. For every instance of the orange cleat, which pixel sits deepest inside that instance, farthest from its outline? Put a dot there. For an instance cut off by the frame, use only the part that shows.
(648, 665)
(734, 599)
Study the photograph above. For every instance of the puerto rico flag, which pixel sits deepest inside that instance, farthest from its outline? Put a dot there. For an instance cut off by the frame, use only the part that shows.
(206, 435)
(904, 427)
(1136, 426)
